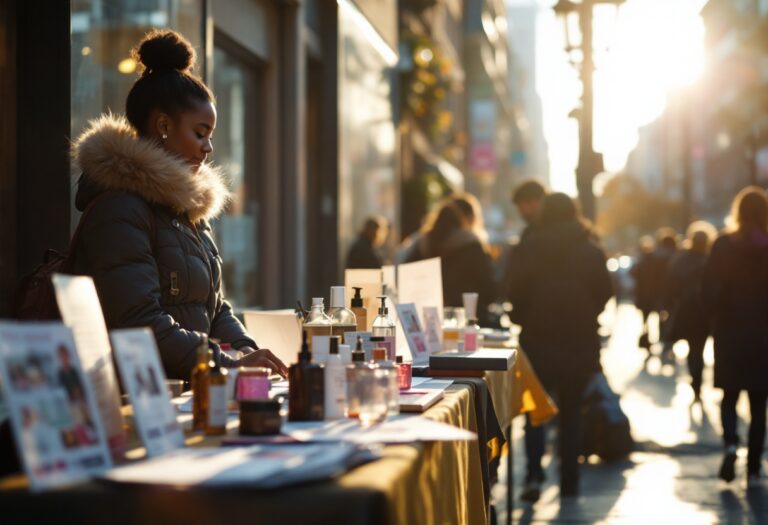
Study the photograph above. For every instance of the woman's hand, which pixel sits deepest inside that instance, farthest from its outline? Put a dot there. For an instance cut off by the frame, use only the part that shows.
(262, 357)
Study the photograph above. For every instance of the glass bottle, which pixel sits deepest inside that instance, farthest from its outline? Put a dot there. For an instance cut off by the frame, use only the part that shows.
(199, 379)
(404, 373)
(388, 381)
(216, 423)
(306, 389)
(342, 318)
(383, 325)
(358, 308)
(317, 323)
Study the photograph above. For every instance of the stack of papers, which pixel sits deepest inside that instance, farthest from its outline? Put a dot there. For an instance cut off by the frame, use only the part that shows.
(260, 466)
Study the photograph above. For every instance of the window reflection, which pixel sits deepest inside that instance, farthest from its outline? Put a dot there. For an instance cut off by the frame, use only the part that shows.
(235, 150)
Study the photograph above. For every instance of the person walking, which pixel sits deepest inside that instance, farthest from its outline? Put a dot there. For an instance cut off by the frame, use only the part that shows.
(365, 252)
(450, 233)
(736, 294)
(528, 197)
(147, 241)
(559, 284)
(687, 317)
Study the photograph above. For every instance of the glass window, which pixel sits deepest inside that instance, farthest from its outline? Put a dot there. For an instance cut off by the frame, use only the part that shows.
(103, 33)
(367, 183)
(236, 150)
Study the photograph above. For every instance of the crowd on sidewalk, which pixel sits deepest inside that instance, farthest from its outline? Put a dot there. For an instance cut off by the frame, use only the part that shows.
(557, 282)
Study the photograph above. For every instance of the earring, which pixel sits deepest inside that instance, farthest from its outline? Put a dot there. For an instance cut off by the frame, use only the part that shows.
(165, 136)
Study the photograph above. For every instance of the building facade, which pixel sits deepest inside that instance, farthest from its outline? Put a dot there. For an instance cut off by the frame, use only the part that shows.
(306, 165)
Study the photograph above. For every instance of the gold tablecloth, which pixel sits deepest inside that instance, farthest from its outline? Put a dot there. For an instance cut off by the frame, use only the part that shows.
(424, 483)
(519, 391)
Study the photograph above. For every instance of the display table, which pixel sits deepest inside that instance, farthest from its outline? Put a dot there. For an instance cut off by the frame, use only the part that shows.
(424, 483)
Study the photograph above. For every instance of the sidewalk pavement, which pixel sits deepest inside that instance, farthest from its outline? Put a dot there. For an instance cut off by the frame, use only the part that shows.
(671, 478)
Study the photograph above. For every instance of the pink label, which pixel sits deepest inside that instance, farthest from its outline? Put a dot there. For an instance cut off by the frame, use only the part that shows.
(470, 342)
(252, 387)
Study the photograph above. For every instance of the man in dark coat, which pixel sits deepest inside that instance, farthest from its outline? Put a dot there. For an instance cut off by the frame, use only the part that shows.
(559, 284)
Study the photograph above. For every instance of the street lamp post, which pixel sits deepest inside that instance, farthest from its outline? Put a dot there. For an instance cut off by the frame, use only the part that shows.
(590, 162)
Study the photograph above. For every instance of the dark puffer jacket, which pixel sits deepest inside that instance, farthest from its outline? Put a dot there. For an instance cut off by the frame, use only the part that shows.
(147, 243)
(558, 285)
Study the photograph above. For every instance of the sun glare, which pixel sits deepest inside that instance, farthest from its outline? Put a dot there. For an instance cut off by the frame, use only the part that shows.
(645, 52)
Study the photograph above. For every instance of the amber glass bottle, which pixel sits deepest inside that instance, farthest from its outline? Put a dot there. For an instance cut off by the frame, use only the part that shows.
(306, 389)
(199, 379)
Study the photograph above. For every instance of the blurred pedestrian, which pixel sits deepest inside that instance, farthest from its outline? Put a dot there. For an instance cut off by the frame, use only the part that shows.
(650, 273)
(736, 293)
(687, 317)
(528, 197)
(449, 233)
(559, 284)
(365, 252)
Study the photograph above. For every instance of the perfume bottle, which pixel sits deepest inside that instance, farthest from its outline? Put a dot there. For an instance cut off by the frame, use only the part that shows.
(342, 318)
(216, 421)
(306, 387)
(383, 325)
(199, 379)
(388, 380)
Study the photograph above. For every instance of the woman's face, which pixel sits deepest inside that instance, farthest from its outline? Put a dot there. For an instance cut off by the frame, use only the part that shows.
(190, 134)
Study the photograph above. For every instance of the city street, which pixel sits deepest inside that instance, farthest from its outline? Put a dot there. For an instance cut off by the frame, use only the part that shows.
(671, 478)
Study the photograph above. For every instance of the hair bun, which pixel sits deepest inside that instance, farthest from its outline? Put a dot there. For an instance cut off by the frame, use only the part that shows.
(164, 50)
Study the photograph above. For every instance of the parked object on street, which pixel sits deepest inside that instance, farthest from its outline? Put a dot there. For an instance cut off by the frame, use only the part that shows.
(606, 427)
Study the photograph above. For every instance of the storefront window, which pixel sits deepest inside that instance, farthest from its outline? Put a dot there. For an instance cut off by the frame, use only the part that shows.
(367, 183)
(236, 151)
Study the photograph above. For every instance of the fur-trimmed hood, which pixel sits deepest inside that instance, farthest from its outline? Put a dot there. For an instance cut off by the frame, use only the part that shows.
(113, 157)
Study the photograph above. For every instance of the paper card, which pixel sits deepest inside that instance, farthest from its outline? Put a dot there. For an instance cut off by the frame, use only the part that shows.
(53, 411)
(143, 378)
(421, 283)
(370, 282)
(417, 341)
(350, 338)
(321, 347)
(277, 330)
(432, 329)
(81, 311)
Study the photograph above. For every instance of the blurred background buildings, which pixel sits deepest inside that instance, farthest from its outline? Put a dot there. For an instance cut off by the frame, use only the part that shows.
(333, 110)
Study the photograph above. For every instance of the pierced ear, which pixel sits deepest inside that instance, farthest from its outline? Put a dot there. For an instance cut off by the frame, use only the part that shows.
(163, 125)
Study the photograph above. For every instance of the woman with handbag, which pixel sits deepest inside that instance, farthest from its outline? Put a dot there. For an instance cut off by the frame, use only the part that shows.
(147, 241)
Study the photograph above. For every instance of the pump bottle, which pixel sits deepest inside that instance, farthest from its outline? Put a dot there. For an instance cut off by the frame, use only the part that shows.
(383, 325)
(361, 315)
(305, 387)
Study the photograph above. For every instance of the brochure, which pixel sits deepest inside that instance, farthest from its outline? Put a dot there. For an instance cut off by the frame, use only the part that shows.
(143, 378)
(81, 311)
(417, 340)
(53, 411)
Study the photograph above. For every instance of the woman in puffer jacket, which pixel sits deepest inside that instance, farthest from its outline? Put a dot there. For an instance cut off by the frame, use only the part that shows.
(147, 240)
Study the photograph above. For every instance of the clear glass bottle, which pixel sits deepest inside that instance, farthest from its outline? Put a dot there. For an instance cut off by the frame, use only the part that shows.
(199, 379)
(388, 380)
(342, 318)
(383, 325)
(471, 336)
(317, 323)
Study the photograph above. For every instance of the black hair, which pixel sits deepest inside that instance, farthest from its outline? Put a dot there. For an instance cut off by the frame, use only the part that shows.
(529, 190)
(167, 82)
(558, 208)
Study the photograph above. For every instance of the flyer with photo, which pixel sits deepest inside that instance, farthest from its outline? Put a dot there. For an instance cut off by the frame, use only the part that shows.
(417, 341)
(143, 378)
(54, 416)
